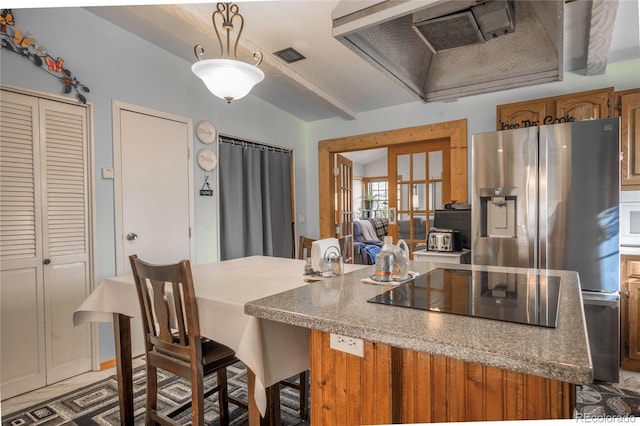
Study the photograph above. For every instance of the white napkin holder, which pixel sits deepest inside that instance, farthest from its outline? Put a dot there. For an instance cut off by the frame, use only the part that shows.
(321, 249)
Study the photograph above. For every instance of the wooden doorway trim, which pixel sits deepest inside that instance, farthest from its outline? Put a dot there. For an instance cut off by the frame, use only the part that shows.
(454, 131)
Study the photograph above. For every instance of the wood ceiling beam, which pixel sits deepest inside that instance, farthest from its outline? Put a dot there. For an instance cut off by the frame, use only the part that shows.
(603, 15)
(297, 79)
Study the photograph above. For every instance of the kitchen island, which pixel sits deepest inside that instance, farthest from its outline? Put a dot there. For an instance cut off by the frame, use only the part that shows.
(422, 366)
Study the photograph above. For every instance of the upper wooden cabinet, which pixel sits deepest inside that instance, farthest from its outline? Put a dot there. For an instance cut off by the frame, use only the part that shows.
(558, 109)
(522, 114)
(585, 106)
(594, 104)
(628, 104)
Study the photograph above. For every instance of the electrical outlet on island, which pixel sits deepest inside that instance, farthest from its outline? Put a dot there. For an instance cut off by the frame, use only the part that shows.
(350, 345)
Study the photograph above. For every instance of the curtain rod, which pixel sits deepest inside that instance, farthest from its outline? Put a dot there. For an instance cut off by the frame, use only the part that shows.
(256, 145)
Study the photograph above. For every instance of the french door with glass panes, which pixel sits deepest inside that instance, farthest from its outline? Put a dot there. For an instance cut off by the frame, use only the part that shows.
(418, 186)
(343, 213)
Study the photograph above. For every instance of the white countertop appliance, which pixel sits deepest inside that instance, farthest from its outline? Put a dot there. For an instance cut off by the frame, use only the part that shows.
(630, 222)
(457, 257)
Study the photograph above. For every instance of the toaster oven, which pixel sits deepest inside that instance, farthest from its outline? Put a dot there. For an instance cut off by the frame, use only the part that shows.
(447, 240)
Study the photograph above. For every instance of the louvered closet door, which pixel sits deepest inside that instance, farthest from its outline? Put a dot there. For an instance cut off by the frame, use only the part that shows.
(44, 242)
(65, 214)
(22, 347)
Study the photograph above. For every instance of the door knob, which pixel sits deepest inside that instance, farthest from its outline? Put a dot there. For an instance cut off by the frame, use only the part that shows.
(46, 261)
(132, 236)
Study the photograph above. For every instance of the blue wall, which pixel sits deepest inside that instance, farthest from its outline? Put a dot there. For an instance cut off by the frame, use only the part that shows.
(116, 65)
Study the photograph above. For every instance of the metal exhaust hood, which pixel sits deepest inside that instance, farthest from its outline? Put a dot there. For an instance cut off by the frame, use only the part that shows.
(440, 50)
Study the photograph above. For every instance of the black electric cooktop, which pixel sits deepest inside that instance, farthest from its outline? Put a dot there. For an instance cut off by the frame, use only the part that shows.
(525, 298)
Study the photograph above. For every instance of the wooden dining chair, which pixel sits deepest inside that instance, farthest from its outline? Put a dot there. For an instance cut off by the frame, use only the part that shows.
(302, 384)
(304, 247)
(346, 248)
(173, 342)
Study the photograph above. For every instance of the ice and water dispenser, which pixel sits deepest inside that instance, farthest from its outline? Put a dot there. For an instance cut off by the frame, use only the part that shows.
(498, 212)
(497, 237)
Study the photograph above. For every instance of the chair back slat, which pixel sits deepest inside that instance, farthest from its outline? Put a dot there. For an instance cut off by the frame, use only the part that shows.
(178, 303)
(163, 315)
(146, 309)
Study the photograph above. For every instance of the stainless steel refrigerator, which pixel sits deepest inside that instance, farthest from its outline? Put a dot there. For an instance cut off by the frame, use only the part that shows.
(547, 197)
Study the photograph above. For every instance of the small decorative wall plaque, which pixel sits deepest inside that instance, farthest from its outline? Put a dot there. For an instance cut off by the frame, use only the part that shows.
(206, 188)
(14, 40)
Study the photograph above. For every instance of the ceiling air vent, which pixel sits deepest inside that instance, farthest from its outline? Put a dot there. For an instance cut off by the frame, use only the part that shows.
(289, 55)
(474, 25)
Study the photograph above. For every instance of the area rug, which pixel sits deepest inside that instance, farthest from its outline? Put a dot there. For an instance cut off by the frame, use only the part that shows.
(604, 401)
(97, 404)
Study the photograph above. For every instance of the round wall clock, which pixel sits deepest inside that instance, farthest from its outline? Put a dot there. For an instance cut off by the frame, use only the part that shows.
(205, 131)
(207, 159)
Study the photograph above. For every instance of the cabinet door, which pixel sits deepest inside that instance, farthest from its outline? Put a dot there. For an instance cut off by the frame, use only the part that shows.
(586, 106)
(629, 104)
(521, 114)
(634, 320)
(630, 312)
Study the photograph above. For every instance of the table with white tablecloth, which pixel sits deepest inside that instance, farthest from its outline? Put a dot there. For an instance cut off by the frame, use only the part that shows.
(272, 351)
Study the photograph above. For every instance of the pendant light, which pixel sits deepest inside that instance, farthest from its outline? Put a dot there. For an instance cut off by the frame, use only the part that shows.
(227, 78)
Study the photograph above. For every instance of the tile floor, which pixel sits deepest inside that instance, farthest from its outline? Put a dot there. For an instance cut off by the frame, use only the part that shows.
(628, 380)
(43, 394)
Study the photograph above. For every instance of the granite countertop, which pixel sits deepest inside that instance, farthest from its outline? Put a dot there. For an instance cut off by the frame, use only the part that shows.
(339, 305)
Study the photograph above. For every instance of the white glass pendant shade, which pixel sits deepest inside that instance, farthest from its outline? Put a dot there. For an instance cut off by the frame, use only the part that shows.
(226, 78)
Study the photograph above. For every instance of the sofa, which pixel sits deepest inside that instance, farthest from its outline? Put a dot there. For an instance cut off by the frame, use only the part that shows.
(419, 229)
(367, 239)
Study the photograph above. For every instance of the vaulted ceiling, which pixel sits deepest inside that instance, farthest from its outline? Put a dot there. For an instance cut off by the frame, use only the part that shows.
(365, 54)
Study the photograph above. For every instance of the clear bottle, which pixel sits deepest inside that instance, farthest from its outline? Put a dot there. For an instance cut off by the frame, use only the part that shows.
(308, 269)
(388, 251)
(337, 265)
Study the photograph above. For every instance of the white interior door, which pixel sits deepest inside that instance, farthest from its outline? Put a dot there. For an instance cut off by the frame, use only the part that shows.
(154, 187)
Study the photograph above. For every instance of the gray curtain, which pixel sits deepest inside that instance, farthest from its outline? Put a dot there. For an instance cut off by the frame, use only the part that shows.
(255, 200)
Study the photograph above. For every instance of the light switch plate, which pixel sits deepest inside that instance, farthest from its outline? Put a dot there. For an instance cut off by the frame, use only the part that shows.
(107, 173)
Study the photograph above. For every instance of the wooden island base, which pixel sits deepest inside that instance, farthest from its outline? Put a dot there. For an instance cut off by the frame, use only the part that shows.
(391, 385)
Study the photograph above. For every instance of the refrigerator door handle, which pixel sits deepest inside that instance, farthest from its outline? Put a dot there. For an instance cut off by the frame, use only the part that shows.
(542, 198)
